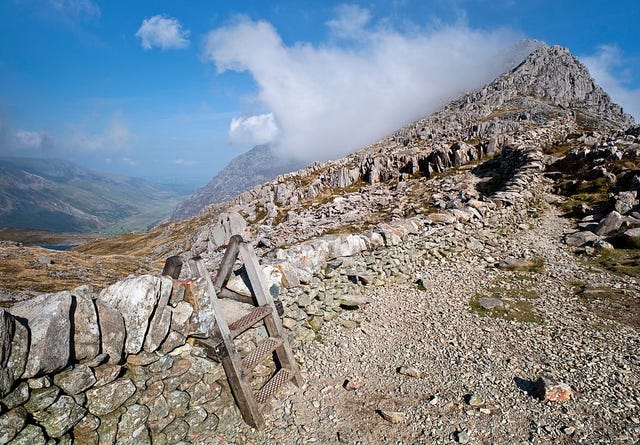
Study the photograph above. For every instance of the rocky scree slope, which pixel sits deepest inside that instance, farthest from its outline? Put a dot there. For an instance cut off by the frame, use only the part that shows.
(549, 96)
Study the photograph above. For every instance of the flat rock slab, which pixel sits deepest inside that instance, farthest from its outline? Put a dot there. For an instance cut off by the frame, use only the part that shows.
(48, 318)
(112, 331)
(108, 398)
(61, 416)
(75, 380)
(353, 301)
(489, 303)
(7, 330)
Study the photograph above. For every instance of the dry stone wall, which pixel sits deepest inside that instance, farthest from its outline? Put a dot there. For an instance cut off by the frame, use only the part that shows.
(109, 367)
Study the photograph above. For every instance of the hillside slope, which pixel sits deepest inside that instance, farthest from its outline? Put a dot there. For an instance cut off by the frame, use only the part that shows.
(59, 196)
(543, 101)
(245, 171)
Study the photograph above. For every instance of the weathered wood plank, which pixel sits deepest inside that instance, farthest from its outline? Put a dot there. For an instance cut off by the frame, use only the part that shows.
(273, 323)
(231, 360)
(229, 259)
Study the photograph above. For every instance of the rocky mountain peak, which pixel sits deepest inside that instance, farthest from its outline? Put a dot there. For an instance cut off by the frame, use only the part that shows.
(550, 75)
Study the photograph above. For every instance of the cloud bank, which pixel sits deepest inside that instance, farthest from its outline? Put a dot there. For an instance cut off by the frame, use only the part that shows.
(163, 32)
(253, 130)
(331, 99)
(607, 68)
(18, 142)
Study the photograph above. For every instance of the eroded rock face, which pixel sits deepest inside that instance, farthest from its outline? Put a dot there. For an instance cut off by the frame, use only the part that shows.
(86, 335)
(112, 331)
(48, 318)
(7, 330)
(229, 224)
(137, 299)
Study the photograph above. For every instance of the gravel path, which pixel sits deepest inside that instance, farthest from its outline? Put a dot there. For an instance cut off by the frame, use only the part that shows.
(456, 353)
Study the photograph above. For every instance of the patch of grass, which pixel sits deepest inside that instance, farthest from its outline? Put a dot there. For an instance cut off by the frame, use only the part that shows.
(514, 309)
(619, 261)
(558, 148)
(261, 214)
(612, 304)
(593, 193)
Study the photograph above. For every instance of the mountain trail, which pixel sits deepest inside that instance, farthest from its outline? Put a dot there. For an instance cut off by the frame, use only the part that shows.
(417, 354)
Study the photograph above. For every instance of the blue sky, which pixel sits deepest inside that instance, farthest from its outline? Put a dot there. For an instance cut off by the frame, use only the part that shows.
(174, 90)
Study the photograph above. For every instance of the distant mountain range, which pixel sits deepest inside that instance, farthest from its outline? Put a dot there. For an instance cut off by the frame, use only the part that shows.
(60, 196)
(257, 166)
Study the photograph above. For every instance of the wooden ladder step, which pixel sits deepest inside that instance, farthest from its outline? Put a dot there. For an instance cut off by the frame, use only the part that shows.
(262, 352)
(249, 320)
(274, 384)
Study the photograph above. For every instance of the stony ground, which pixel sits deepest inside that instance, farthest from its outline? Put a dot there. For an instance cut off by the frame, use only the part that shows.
(455, 351)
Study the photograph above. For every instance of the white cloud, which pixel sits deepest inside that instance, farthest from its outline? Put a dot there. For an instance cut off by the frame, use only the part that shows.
(333, 98)
(350, 22)
(115, 137)
(75, 8)
(163, 32)
(17, 141)
(606, 68)
(185, 162)
(28, 139)
(253, 130)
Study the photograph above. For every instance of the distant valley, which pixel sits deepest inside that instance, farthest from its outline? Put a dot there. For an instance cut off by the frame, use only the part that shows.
(59, 196)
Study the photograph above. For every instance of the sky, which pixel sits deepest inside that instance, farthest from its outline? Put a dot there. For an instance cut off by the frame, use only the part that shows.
(172, 90)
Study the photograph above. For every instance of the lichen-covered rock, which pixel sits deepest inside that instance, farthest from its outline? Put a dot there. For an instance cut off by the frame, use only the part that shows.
(17, 397)
(60, 417)
(132, 427)
(180, 318)
(176, 430)
(108, 429)
(30, 435)
(7, 329)
(106, 399)
(19, 350)
(75, 380)
(112, 331)
(42, 398)
(49, 320)
(161, 318)
(86, 335)
(11, 423)
(136, 298)
(106, 373)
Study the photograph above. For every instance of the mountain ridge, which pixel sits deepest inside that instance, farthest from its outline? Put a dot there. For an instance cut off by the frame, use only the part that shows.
(385, 180)
(258, 165)
(60, 196)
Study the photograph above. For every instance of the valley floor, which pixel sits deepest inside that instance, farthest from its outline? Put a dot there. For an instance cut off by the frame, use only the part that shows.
(460, 351)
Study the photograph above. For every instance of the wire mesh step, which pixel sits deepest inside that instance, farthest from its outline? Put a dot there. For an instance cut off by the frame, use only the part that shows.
(249, 320)
(262, 352)
(273, 385)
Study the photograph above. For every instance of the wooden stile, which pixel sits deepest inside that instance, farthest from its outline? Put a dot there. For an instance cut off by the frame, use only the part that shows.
(221, 341)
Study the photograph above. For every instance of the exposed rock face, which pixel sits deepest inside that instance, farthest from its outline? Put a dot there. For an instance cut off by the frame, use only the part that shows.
(137, 299)
(48, 318)
(247, 170)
